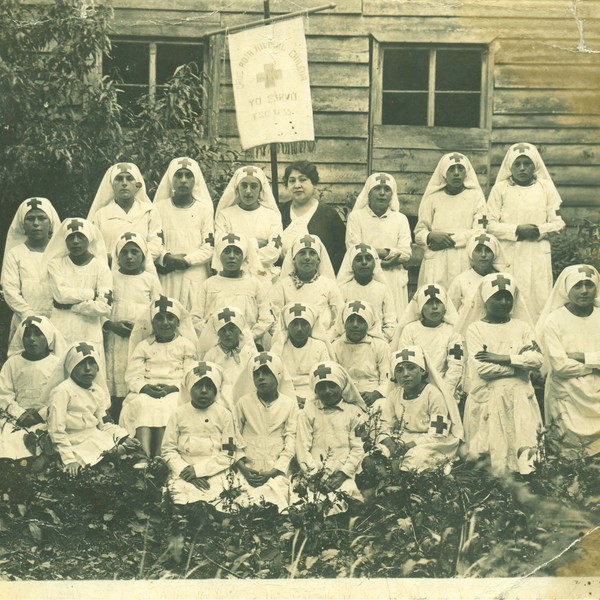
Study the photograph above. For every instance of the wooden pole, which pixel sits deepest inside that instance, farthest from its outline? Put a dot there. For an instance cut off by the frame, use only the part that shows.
(274, 174)
(298, 13)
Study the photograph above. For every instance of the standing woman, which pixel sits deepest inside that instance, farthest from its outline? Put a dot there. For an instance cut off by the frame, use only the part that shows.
(569, 332)
(305, 214)
(376, 220)
(523, 210)
(248, 206)
(24, 279)
(122, 204)
(451, 211)
(186, 211)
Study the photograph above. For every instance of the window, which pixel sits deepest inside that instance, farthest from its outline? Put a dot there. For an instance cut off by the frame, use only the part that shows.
(433, 86)
(143, 67)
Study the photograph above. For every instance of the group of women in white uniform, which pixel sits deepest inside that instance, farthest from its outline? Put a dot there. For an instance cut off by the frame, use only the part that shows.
(234, 347)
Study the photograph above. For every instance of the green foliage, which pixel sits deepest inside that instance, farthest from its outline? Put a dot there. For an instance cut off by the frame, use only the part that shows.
(62, 122)
(575, 246)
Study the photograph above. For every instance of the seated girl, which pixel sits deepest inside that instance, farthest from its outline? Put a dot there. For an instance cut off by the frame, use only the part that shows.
(162, 348)
(365, 356)
(376, 220)
(328, 436)
(428, 322)
(296, 344)
(485, 256)
(200, 443)
(361, 277)
(232, 285)
(451, 211)
(234, 347)
(266, 413)
(420, 422)
(35, 352)
(24, 278)
(502, 418)
(78, 408)
(186, 212)
(80, 282)
(307, 276)
(248, 206)
(135, 284)
(568, 330)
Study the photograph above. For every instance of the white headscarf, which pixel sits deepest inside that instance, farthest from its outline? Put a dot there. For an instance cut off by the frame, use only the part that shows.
(559, 295)
(57, 248)
(230, 197)
(438, 179)
(55, 339)
(488, 286)
(142, 328)
(324, 267)
(202, 370)
(221, 317)
(245, 382)
(373, 180)
(414, 309)
(16, 232)
(540, 173)
(76, 353)
(418, 356)
(165, 187)
(363, 309)
(485, 238)
(140, 242)
(105, 194)
(346, 274)
(251, 263)
(332, 371)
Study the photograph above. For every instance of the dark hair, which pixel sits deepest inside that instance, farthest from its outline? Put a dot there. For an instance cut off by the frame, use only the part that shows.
(306, 168)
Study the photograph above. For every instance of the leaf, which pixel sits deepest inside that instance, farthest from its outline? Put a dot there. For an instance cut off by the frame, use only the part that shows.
(329, 553)
(35, 530)
(22, 509)
(405, 525)
(310, 561)
(408, 567)
(108, 517)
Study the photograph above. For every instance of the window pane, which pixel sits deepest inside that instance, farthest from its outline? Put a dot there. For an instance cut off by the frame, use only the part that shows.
(457, 110)
(404, 109)
(458, 70)
(171, 56)
(405, 69)
(128, 63)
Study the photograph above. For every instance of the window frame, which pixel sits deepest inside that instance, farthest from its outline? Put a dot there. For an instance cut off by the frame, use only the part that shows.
(378, 52)
(211, 48)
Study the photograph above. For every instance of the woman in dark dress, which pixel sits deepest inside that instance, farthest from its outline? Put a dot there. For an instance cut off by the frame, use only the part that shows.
(305, 214)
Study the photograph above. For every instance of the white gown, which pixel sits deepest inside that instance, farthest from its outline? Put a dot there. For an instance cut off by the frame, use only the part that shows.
(502, 417)
(186, 231)
(392, 231)
(268, 437)
(132, 294)
(22, 382)
(572, 397)
(206, 440)
(155, 362)
(25, 284)
(531, 263)
(86, 287)
(459, 215)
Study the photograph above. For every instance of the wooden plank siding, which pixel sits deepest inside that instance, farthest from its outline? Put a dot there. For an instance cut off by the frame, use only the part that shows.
(544, 85)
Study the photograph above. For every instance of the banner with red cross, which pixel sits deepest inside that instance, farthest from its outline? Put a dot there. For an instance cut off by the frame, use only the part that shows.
(271, 87)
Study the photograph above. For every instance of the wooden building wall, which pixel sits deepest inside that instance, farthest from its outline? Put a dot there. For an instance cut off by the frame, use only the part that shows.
(544, 84)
